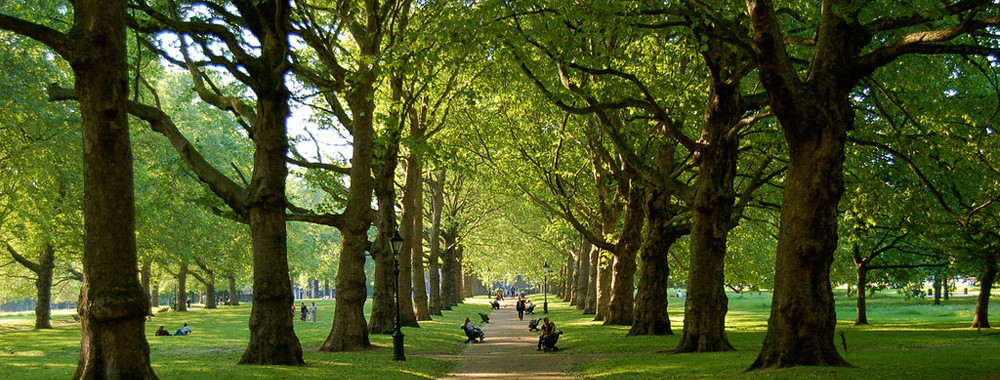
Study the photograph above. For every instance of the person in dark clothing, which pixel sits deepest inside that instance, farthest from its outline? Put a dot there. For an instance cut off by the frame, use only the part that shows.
(305, 311)
(548, 328)
(520, 309)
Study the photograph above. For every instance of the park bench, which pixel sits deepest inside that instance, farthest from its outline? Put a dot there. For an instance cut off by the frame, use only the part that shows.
(76, 317)
(484, 317)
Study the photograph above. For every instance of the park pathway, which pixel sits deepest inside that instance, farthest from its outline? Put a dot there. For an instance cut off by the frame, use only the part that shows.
(508, 351)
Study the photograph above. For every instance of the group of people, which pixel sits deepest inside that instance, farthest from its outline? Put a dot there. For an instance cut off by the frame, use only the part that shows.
(309, 312)
(183, 331)
(524, 305)
(546, 341)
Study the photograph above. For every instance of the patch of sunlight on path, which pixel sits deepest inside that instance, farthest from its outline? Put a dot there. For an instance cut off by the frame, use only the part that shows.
(508, 351)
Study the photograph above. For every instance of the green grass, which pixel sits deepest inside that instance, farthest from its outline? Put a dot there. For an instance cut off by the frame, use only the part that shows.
(907, 340)
(219, 338)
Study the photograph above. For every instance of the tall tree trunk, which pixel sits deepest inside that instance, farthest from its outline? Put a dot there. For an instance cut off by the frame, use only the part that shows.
(415, 186)
(182, 273)
(622, 301)
(43, 287)
(144, 280)
(706, 305)
(447, 277)
(154, 297)
(590, 304)
(651, 316)
(406, 315)
(862, 285)
(437, 206)
(383, 304)
(112, 303)
(815, 115)
(937, 289)
(383, 301)
(605, 276)
(349, 331)
(582, 287)
(982, 316)
(569, 278)
(234, 297)
(272, 332)
(210, 301)
(459, 270)
(803, 318)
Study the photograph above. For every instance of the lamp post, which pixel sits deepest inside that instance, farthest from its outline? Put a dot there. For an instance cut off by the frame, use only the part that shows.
(397, 336)
(545, 305)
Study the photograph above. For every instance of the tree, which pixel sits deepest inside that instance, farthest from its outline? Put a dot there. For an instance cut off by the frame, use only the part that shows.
(261, 201)
(815, 114)
(113, 304)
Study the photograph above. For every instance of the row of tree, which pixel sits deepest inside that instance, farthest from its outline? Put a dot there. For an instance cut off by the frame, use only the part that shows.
(632, 126)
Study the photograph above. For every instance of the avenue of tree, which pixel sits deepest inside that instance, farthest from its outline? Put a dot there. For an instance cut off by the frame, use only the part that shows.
(163, 147)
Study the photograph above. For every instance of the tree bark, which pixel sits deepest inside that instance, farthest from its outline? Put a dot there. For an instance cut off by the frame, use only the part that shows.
(448, 288)
(154, 297)
(43, 287)
(815, 116)
(583, 274)
(234, 297)
(406, 315)
(459, 271)
(569, 278)
(706, 305)
(415, 186)
(182, 287)
(937, 289)
(383, 304)
(605, 276)
(112, 303)
(622, 301)
(862, 284)
(144, 280)
(349, 331)
(982, 317)
(651, 316)
(590, 304)
(437, 206)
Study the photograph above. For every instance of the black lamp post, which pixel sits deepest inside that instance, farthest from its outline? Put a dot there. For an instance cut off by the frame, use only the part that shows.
(545, 305)
(397, 336)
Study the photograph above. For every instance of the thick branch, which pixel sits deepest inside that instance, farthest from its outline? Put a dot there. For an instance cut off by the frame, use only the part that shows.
(22, 260)
(230, 193)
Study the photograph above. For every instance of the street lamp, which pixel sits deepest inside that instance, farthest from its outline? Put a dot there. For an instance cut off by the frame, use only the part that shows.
(397, 336)
(545, 305)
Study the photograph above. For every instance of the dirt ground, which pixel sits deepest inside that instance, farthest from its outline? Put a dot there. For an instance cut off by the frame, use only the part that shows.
(509, 351)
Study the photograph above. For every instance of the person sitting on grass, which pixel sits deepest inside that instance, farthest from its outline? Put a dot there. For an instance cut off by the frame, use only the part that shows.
(161, 332)
(471, 331)
(183, 331)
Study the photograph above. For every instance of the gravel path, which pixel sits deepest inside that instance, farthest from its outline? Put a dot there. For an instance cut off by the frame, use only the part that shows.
(508, 351)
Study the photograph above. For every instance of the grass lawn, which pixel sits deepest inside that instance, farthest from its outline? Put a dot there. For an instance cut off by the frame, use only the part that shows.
(218, 340)
(907, 340)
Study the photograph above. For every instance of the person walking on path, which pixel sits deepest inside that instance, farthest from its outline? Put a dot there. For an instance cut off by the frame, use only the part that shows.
(520, 308)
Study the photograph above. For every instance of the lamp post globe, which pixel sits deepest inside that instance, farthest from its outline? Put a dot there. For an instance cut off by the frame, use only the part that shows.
(396, 242)
(545, 304)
